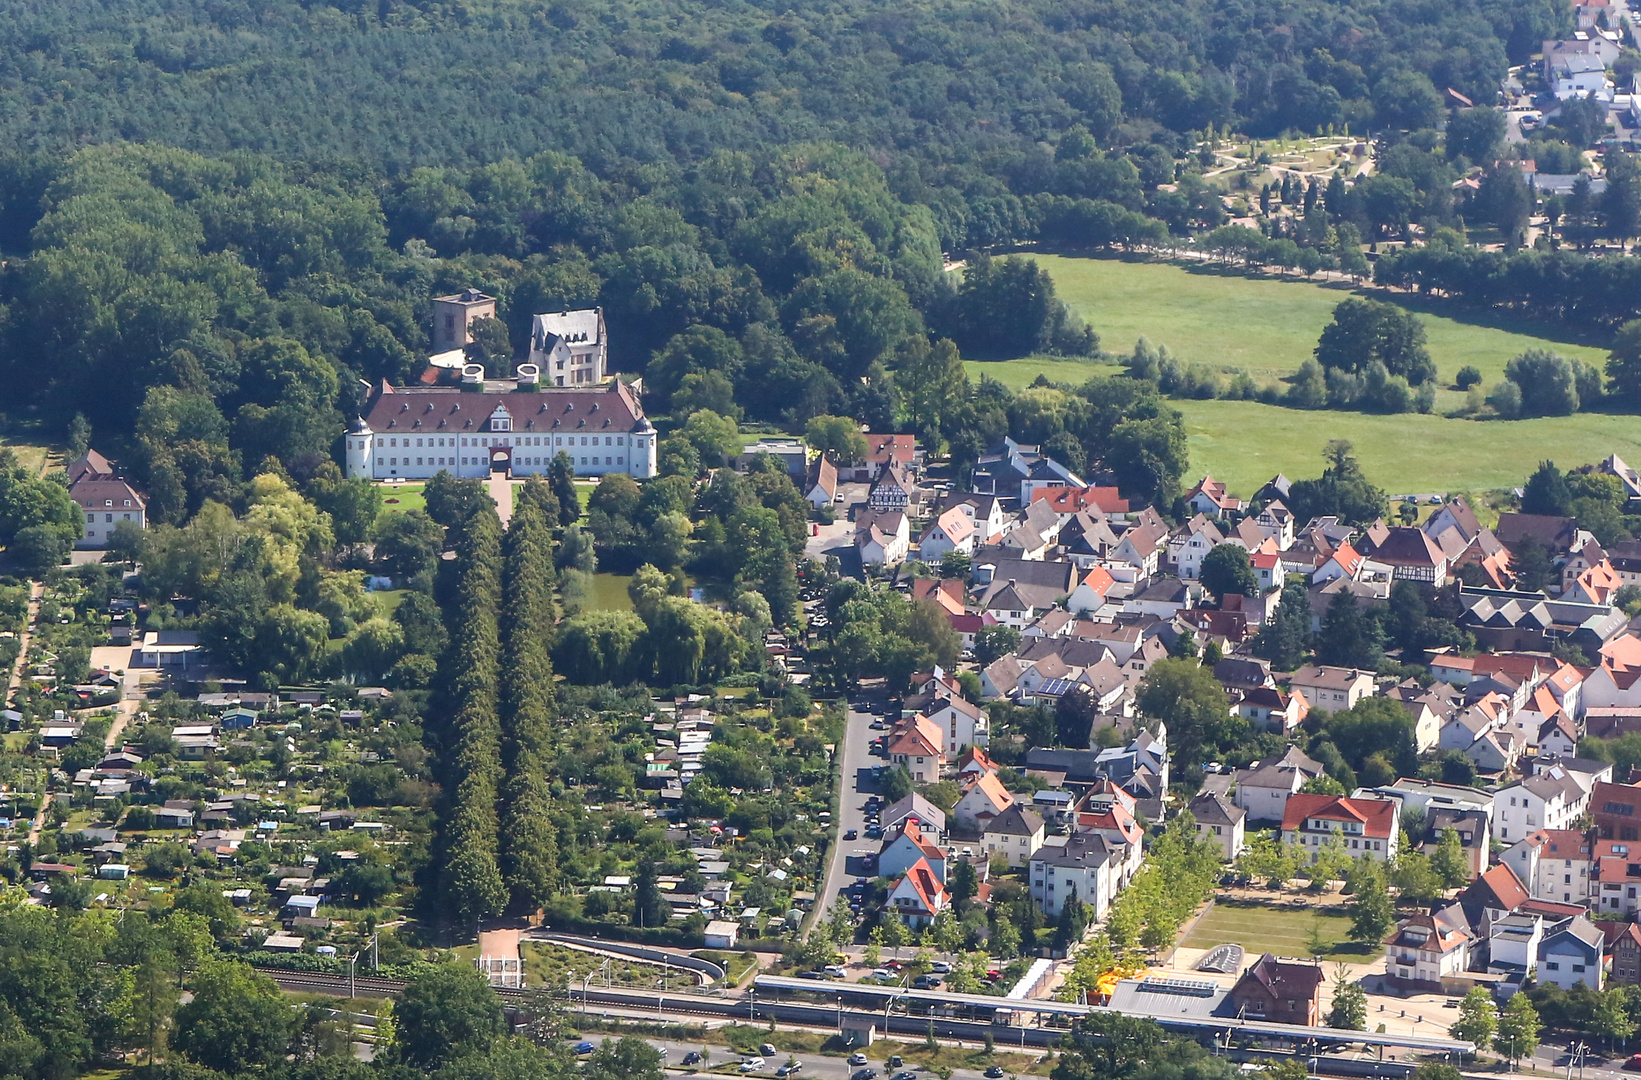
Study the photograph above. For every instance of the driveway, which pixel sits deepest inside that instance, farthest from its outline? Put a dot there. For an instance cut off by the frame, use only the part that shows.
(834, 539)
(856, 784)
(500, 488)
(120, 658)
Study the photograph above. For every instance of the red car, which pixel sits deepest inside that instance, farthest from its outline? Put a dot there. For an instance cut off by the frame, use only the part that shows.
(1634, 1062)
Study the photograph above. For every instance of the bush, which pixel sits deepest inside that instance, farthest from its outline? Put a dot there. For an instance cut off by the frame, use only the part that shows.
(1469, 376)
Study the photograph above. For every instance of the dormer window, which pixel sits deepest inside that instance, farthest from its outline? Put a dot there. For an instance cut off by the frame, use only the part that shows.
(501, 423)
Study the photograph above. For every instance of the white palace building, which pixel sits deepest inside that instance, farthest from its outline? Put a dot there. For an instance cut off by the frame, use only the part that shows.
(512, 426)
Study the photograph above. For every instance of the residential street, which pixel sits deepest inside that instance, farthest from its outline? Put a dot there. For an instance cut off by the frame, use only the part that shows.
(856, 784)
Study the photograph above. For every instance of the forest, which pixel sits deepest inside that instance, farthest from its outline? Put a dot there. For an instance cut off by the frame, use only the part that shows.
(220, 217)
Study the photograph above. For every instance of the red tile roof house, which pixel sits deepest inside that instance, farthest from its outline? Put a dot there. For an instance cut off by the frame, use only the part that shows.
(1363, 826)
(918, 750)
(1066, 500)
(882, 450)
(918, 897)
(1428, 949)
(1210, 497)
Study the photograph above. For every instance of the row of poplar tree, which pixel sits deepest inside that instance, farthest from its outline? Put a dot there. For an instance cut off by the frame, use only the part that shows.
(498, 844)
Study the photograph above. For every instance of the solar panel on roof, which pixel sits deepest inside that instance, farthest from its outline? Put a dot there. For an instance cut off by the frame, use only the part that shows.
(1184, 987)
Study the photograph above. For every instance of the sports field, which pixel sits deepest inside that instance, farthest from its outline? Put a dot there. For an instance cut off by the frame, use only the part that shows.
(1268, 327)
(1271, 929)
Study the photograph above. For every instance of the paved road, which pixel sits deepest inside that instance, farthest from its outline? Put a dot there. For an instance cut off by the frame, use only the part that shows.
(856, 784)
(815, 1066)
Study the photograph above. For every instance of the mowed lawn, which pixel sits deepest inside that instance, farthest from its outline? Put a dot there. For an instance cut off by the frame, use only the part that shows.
(1269, 929)
(402, 498)
(1265, 325)
(1245, 443)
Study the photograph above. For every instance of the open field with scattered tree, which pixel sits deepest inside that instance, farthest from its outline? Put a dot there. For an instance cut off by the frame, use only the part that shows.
(1267, 328)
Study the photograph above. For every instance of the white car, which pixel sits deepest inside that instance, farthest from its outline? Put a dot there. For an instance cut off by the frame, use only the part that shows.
(751, 1064)
(941, 966)
(836, 971)
(857, 1058)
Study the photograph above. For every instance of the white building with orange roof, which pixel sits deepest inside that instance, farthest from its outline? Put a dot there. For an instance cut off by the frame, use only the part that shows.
(1091, 590)
(1596, 585)
(918, 897)
(952, 530)
(1066, 500)
(974, 762)
(944, 593)
(906, 848)
(917, 745)
(1114, 821)
(1210, 497)
(983, 799)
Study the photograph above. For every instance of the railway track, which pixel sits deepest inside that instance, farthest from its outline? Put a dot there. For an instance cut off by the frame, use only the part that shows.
(753, 1009)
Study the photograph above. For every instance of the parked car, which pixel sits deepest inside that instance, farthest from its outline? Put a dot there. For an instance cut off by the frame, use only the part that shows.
(894, 1061)
(837, 972)
(857, 1058)
(584, 1047)
(850, 834)
(940, 967)
(751, 1064)
(926, 982)
(904, 1074)
(692, 1058)
(995, 1072)
(767, 1050)
(864, 1074)
(791, 1068)
(1634, 1062)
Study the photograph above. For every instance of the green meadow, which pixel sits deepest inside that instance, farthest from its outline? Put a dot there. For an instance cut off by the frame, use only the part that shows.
(1267, 327)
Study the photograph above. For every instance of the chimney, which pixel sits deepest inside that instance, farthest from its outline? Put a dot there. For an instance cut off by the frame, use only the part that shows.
(529, 377)
(472, 377)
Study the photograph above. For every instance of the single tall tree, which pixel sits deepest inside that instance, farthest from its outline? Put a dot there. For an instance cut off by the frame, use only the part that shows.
(1226, 570)
(1518, 1028)
(1285, 638)
(1477, 1019)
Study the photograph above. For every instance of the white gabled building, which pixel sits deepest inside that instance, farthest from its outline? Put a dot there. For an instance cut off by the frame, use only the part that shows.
(1553, 800)
(570, 347)
(511, 426)
(1086, 866)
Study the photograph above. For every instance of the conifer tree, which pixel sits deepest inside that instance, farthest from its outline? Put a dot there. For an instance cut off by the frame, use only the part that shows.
(471, 883)
(529, 845)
